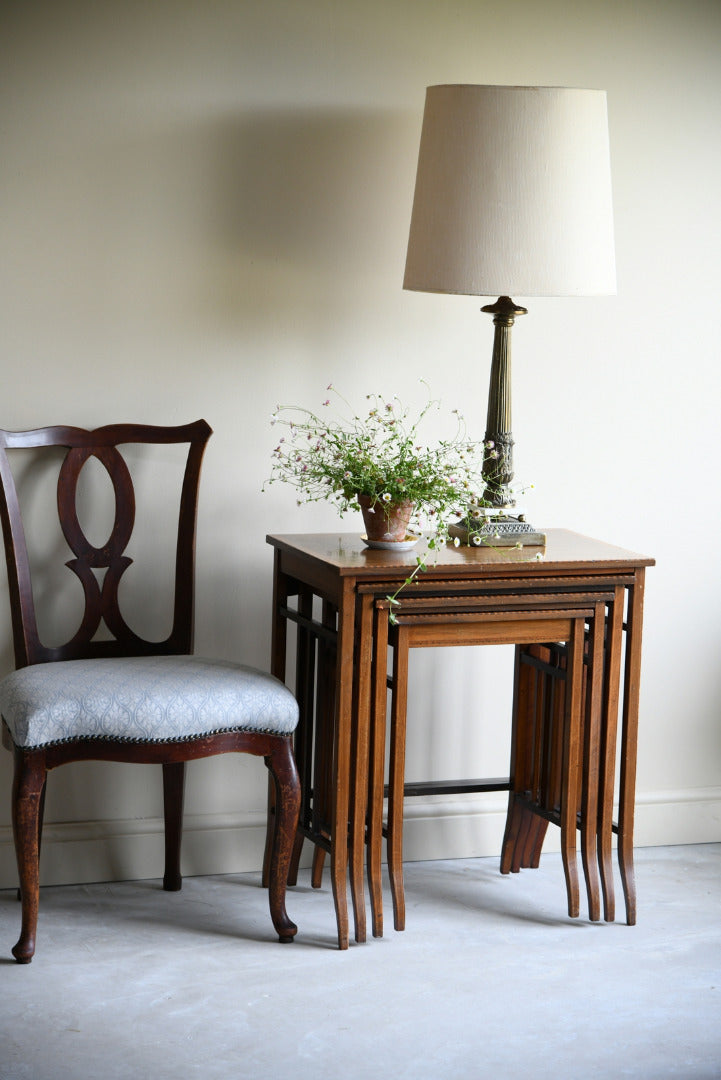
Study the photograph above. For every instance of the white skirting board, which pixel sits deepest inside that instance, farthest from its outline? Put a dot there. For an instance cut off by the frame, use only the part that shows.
(435, 828)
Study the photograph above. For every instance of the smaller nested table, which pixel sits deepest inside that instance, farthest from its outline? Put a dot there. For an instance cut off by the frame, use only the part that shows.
(496, 615)
(575, 616)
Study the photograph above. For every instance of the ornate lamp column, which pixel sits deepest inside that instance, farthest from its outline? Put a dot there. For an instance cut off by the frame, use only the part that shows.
(498, 455)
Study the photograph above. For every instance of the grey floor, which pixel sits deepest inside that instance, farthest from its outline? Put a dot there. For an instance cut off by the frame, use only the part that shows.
(490, 979)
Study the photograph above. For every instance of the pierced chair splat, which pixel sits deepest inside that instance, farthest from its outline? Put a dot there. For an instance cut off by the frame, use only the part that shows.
(114, 695)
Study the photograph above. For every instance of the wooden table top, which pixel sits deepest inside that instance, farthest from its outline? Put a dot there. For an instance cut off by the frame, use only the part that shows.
(346, 555)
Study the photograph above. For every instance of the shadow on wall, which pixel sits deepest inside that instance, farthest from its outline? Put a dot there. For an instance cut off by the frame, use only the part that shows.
(307, 186)
(218, 224)
(308, 204)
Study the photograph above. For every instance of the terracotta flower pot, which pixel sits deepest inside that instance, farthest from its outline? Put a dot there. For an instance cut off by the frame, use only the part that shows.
(386, 521)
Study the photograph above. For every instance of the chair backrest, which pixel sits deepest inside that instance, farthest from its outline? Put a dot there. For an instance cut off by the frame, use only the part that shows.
(100, 590)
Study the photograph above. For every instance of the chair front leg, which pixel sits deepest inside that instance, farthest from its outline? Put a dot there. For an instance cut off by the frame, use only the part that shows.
(281, 764)
(173, 796)
(27, 799)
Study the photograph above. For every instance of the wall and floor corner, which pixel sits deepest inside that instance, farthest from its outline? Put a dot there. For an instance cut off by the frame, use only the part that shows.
(204, 211)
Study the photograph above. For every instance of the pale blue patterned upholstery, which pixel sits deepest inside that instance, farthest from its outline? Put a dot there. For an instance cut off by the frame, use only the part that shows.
(142, 699)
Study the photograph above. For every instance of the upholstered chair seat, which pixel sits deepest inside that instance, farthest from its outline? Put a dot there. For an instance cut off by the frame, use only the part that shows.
(142, 699)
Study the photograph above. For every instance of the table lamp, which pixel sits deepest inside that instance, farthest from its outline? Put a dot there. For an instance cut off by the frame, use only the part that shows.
(512, 198)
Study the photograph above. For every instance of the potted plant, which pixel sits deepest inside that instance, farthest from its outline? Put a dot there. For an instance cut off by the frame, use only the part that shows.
(377, 462)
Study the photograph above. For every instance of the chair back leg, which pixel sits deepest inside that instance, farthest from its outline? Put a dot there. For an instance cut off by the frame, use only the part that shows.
(173, 796)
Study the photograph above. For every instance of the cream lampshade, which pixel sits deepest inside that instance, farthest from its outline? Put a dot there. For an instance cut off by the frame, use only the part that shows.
(512, 197)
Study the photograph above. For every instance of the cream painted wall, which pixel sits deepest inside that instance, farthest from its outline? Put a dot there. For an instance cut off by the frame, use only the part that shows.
(204, 210)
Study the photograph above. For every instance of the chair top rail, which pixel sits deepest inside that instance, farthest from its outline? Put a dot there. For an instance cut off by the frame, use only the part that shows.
(108, 435)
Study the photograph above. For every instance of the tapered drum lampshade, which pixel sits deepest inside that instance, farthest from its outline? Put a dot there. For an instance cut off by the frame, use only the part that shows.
(513, 193)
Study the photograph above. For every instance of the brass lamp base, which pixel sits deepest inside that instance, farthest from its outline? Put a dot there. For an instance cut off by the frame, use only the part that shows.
(498, 531)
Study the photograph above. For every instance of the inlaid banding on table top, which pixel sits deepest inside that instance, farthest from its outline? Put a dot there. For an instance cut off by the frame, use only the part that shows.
(344, 554)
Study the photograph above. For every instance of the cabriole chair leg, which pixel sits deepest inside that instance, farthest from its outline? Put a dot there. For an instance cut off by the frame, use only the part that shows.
(27, 798)
(281, 764)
